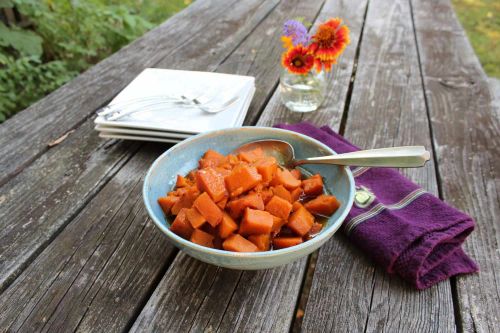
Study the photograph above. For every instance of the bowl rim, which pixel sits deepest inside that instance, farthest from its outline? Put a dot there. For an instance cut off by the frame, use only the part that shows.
(323, 236)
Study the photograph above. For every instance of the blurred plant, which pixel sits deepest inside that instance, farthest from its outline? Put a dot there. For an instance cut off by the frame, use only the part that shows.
(66, 37)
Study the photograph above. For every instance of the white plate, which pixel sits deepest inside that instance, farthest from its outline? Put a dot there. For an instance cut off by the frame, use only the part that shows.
(153, 81)
(133, 131)
(137, 137)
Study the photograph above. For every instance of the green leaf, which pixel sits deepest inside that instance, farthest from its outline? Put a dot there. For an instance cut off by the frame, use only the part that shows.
(26, 42)
(6, 4)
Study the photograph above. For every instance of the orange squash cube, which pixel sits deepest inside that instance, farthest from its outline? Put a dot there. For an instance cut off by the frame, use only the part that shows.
(167, 202)
(195, 218)
(227, 226)
(285, 178)
(283, 242)
(267, 168)
(261, 241)
(300, 221)
(313, 185)
(181, 225)
(251, 156)
(211, 158)
(279, 207)
(242, 179)
(323, 205)
(238, 243)
(256, 222)
(212, 182)
(210, 211)
(237, 207)
(202, 238)
(282, 192)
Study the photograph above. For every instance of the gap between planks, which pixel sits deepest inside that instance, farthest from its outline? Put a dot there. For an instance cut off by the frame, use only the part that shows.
(120, 164)
(311, 260)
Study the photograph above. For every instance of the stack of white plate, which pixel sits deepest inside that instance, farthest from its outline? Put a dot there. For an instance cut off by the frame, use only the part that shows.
(171, 122)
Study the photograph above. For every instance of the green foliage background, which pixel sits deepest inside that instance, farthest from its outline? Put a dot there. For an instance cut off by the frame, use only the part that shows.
(65, 38)
(481, 21)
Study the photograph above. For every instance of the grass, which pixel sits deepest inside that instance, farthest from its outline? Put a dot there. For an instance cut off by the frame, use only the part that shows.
(481, 21)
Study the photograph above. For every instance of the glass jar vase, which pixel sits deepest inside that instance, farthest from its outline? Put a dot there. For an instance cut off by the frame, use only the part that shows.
(303, 93)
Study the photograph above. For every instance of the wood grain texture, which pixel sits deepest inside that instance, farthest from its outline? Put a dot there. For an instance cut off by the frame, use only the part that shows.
(466, 136)
(110, 254)
(387, 94)
(24, 137)
(251, 301)
(37, 203)
(215, 299)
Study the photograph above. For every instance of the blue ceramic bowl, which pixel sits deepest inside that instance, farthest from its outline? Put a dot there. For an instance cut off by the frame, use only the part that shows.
(183, 157)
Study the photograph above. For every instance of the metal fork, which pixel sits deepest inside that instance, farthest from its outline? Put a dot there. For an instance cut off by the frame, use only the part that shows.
(118, 110)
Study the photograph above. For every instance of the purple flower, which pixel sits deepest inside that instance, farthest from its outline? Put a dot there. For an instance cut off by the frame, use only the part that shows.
(297, 31)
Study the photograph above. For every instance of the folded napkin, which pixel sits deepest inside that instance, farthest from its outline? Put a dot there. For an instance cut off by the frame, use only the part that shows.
(405, 229)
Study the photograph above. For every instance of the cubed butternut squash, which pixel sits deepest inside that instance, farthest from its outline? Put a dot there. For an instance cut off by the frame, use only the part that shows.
(262, 241)
(279, 207)
(227, 226)
(267, 168)
(237, 206)
(211, 158)
(277, 224)
(202, 238)
(313, 185)
(285, 178)
(256, 222)
(296, 173)
(212, 182)
(300, 221)
(181, 225)
(195, 218)
(238, 243)
(283, 242)
(181, 181)
(323, 205)
(295, 194)
(210, 211)
(242, 179)
(252, 155)
(167, 202)
(186, 199)
(282, 192)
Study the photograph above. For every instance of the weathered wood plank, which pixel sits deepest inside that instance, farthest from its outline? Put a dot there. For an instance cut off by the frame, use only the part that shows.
(466, 136)
(37, 203)
(63, 310)
(180, 40)
(260, 301)
(387, 94)
(100, 256)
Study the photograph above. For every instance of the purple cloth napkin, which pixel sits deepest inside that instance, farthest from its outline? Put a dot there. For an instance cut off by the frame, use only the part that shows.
(405, 229)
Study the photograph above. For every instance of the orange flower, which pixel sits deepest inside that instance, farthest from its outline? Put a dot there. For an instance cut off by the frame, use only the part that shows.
(326, 65)
(330, 40)
(287, 42)
(298, 60)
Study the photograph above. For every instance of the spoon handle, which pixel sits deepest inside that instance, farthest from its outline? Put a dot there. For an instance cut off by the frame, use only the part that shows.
(403, 157)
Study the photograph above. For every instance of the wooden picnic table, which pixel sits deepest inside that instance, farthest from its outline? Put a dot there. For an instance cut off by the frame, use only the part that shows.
(78, 251)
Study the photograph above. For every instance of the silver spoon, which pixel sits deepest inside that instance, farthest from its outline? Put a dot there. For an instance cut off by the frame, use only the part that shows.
(400, 157)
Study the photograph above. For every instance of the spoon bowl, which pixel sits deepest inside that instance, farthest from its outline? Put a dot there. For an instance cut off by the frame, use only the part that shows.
(398, 157)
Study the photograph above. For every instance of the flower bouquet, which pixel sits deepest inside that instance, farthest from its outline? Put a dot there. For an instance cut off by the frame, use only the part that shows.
(306, 59)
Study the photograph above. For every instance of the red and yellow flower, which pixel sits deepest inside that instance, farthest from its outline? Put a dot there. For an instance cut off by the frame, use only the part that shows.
(329, 41)
(298, 60)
